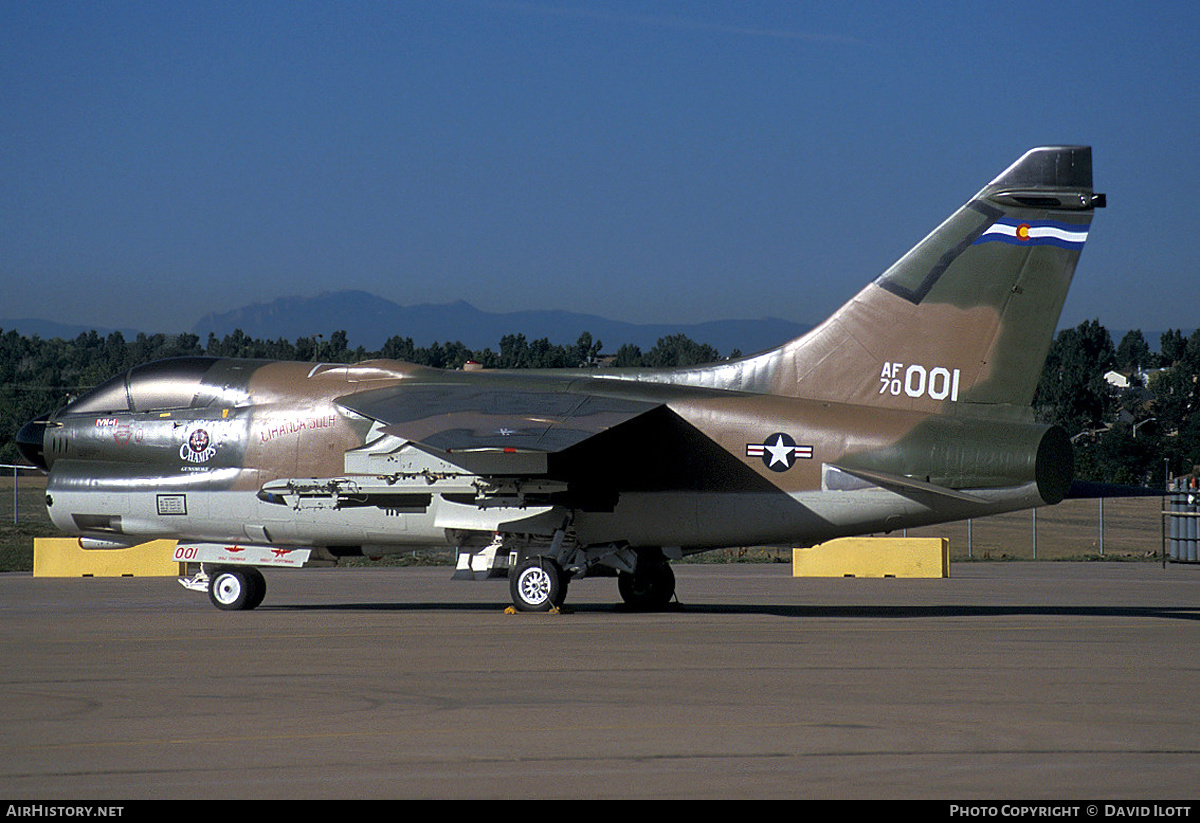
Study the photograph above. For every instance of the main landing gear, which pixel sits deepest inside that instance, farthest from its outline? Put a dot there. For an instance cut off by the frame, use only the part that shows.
(651, 585)
(539, 584)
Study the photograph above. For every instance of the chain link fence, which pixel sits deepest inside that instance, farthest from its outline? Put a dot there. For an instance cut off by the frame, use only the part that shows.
(22, 495)
(23, 515)
(1124, 528)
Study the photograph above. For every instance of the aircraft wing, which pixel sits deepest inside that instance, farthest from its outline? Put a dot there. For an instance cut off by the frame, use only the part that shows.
(574, 431)
(458, 418)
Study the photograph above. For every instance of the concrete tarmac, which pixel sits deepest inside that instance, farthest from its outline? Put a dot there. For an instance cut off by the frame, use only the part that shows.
(1007, 681)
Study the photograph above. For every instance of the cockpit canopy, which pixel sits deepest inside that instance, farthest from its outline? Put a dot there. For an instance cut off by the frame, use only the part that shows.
(162, 385)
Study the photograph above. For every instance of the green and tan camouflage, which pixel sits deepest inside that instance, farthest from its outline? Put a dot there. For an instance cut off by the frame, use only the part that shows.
(909, 406)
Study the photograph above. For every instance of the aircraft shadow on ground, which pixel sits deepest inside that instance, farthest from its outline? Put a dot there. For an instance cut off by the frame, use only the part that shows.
(794, 611)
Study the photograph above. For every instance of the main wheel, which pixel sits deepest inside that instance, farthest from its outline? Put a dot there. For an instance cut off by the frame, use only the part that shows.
(651, 586)
(258, 588)
(537, 584)
(237, 589)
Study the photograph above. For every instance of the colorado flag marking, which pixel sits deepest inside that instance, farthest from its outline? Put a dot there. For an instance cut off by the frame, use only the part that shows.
(1035, 233)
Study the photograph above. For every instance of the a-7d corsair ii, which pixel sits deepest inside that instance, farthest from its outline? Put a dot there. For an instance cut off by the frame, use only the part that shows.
(909, 406)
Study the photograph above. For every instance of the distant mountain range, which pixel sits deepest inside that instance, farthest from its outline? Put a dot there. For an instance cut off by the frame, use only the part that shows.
(49, 329)
(369, 320)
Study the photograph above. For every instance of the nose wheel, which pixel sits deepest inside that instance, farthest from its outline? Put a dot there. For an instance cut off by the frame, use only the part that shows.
(236, 589)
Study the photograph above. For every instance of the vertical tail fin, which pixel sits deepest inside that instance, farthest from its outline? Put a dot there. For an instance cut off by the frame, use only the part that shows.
(966, 316)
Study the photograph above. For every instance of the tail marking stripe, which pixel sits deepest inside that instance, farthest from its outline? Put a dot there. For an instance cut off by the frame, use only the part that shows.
(1036, 233)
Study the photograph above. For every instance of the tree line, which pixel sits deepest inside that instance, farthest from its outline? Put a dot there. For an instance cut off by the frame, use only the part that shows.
(1132, 435)
(1137, 434)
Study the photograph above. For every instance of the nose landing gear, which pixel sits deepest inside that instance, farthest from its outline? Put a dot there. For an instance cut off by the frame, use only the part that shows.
(237, 589)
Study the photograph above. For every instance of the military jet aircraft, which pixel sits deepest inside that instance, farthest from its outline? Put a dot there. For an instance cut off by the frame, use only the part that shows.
(909, 406)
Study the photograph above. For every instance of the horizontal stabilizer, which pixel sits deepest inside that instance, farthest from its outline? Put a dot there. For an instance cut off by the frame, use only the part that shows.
(907, 486)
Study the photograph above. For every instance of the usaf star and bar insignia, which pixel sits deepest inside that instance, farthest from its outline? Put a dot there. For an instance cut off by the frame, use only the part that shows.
(779, 452)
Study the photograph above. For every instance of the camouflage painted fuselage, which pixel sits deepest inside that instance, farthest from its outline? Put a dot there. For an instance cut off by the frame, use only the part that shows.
(909, 406)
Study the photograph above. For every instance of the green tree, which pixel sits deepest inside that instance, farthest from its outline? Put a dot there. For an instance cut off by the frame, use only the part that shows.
(514, 352)
(586, 350)
(1072, 391)
(629, 356)
(679, 350)
(1133, 352)
(1177, 387)
(1171, 346)
(398, 348)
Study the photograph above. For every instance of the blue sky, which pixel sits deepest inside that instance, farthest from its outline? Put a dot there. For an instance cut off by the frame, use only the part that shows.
(650, 161)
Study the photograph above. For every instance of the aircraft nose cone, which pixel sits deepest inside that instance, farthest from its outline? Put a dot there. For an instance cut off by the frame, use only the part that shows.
(31, 439)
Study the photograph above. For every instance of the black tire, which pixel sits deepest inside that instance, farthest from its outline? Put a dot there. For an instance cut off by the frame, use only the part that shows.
(537, 584)
(649, 588)
(236, 589)
(259, 590)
